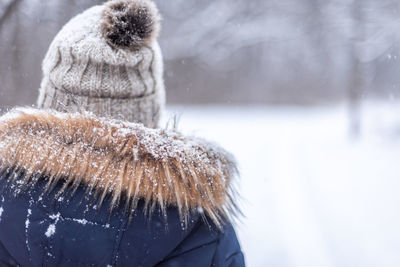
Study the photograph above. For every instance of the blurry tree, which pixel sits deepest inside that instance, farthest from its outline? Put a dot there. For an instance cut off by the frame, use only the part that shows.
(355, 86)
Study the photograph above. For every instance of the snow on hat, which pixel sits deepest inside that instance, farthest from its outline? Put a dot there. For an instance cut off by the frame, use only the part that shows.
(106, 60)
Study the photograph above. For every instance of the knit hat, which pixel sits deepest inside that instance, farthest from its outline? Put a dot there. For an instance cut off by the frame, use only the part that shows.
(106, 60)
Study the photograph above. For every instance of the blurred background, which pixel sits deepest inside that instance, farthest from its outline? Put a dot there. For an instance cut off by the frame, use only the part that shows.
(305, 93)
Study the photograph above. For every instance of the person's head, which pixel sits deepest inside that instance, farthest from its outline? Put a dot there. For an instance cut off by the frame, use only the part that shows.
(106, 60)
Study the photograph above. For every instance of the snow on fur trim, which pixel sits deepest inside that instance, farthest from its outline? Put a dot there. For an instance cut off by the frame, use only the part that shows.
(125, 160)
(130, 23)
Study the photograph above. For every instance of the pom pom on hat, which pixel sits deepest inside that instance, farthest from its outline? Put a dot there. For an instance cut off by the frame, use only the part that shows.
(130, 24)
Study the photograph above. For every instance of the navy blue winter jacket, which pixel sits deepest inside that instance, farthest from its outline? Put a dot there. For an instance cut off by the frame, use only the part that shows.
(83, 191)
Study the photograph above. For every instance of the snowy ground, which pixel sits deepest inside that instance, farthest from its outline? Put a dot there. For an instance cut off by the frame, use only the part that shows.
(313, 196)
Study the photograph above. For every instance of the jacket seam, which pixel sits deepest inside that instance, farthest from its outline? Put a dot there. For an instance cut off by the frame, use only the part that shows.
(167, 257)
(187, 251)
(216, 248)
(118, 242)
(233, 255)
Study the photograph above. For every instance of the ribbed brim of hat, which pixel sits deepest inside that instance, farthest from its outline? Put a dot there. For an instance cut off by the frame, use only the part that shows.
(142, 109)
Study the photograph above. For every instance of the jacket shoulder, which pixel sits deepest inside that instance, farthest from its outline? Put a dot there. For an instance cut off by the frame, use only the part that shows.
(207, 246)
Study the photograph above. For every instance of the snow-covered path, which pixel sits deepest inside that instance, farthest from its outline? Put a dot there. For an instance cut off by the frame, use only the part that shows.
(312, 196)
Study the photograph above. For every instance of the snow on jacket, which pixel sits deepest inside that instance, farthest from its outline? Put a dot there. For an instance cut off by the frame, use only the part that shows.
(77, 190)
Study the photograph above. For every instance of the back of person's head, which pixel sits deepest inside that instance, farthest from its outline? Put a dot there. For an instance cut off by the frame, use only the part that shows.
(107, 61)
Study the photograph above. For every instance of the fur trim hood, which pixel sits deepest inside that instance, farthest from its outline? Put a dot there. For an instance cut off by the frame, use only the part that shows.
(126, 160)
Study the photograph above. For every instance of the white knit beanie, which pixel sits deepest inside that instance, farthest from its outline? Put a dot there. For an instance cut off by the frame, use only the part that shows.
(107, 61)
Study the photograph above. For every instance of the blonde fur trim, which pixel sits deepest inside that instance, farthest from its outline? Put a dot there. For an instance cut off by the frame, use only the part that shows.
(119, 158)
